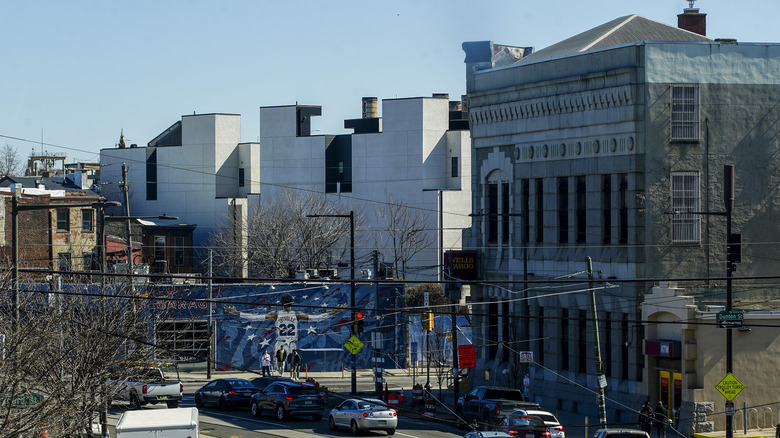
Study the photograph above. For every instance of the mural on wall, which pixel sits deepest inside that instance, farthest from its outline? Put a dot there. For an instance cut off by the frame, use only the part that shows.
(313, 318)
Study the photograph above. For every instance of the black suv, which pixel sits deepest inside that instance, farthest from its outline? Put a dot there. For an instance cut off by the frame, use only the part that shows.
(289, 398)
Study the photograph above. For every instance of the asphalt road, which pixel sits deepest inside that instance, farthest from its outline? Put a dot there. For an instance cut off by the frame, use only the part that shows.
(239, 423)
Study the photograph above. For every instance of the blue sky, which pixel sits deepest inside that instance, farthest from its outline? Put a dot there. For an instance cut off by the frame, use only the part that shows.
(76, 73)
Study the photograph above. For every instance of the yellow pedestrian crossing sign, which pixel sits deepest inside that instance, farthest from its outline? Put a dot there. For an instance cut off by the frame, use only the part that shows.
(730, 387)
(353, 344)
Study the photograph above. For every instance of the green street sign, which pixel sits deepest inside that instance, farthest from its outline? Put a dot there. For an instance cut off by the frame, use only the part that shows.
(730, 319)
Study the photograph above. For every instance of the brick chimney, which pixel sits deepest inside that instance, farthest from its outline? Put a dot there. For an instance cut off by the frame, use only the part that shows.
(693, 21)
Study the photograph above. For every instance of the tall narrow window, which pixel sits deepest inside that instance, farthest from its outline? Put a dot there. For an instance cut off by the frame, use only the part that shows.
(525, 202)
(540, 336)
(506, 327)
(582, 342)
(505, 212)
(607, 345)
(539, 210)
(563, 210)
(63, 220)
(159, 248)
(606, 209)
(178, 251)
(151, 174)
(455, 171)
(241, 177)
(492, 330)
(623, 208)
(624, 348)
(685, 198)
(86, 261)
(685, 113)
(492, 213)
(564, 351)
(87, 220)
(582, 210)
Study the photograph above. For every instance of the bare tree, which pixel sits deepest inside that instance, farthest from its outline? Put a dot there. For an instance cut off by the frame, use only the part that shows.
(57, 366)
(281, 238)
(403, 232)
(10, 163)
(441, 357)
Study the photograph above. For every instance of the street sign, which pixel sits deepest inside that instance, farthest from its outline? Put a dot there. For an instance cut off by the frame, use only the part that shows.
(729, 409)
(353, 344)
(467, 356)
(730, 319)
(729, 387)
(526, 357)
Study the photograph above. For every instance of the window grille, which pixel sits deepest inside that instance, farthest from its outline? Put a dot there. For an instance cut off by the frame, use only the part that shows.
(685, 113)
(685, 198)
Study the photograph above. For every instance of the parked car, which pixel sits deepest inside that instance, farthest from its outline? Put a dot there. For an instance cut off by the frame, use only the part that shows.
(225, 393)
(487, 434)
(487, 405)
(261, 382)
(524, 426)
(363, 415)
(620, 433)
(175, 423)
(553, 425)
(151, 383)
(289, 398)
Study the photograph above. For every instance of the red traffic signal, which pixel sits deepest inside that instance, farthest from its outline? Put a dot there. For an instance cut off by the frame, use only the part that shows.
(359, 315)
(357, 325)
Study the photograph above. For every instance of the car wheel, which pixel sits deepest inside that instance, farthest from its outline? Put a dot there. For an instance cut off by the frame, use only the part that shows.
(223, 404)
(198, 401)
(173, 404)
(135, 403)
(391, 431)
(255, 409)
(485, 422)
(317, 417)
(353, 427)
(280, 413)
(332, 423)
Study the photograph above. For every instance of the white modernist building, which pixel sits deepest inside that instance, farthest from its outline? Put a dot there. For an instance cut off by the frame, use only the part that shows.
(199, 171)
(418, 153)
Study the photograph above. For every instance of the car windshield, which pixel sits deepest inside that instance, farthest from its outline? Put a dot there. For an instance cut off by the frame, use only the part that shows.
(524, 421)
(506, 394)
(303, 390)
(370, 405)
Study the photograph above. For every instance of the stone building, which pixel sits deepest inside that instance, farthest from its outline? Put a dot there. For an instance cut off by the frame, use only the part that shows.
(579, 151)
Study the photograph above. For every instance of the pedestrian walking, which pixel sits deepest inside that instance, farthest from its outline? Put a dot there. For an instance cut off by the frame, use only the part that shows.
(265, 363)
(295, 363)
(646, 417)
(659, 418)
(281, 359)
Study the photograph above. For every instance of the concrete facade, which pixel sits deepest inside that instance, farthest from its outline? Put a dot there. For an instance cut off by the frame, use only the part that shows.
(581, 141)
(409, 156)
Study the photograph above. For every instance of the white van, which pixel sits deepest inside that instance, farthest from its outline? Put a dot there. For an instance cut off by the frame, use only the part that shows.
(159, 423)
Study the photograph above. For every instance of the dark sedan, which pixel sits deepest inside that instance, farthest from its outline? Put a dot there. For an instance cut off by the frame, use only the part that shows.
(225, 393)
(289, 398)
(261, 382)
(524, 426)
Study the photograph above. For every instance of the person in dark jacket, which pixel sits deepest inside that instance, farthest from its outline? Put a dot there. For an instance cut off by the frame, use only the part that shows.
(659, 420)
(646, 417)
(295, 362)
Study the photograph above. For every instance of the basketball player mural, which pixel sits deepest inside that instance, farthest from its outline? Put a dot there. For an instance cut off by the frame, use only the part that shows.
(286, 321)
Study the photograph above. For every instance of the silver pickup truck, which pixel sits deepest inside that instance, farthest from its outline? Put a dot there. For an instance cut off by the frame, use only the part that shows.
(152, 384)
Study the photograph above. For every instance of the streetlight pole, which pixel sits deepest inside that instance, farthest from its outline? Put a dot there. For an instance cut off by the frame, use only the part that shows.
(728, 200)
(351, 217)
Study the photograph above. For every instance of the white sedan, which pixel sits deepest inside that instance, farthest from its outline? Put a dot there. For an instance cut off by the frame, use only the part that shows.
(363, 414)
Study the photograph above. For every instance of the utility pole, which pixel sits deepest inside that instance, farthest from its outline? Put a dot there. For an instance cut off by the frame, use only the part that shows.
(209, 351)
(728, 200)
(601, 381)
(126, 195)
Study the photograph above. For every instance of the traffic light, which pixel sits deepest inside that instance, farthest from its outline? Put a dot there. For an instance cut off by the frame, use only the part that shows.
(358, 324)
(427, 321)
